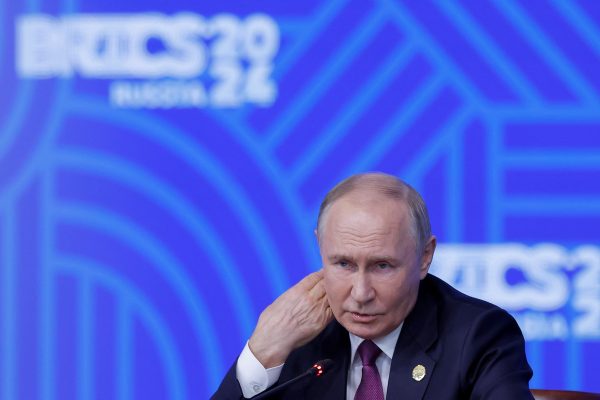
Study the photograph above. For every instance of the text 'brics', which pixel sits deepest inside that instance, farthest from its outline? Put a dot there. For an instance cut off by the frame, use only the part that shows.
(553, 291)
(156, 60)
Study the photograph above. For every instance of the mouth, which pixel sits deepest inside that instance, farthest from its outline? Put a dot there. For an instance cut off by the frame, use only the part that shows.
(363, 318)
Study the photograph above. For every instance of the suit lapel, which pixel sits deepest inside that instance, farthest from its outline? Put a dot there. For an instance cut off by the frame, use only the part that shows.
(409, 361)
(412, 366)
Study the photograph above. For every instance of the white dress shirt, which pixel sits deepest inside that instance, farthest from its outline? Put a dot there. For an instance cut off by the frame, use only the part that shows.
(387, 344)
(255, 379)
(251, 374)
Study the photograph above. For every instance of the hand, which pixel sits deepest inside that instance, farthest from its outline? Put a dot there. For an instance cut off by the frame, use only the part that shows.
(293, 319)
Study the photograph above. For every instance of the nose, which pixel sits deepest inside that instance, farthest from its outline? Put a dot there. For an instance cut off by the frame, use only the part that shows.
(362, 290)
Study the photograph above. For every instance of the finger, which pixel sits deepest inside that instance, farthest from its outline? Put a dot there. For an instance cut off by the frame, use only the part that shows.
(309, 281)
(318, 291)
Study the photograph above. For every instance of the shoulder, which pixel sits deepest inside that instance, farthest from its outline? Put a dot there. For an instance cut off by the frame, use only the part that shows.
(455, 305)
(475, 326)
(477, 340)
(451, 316)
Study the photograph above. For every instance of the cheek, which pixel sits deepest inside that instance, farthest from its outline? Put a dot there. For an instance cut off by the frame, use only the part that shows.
(327, 282)
(399, 297)
(330, 277)
(395, 290)
(334, 289)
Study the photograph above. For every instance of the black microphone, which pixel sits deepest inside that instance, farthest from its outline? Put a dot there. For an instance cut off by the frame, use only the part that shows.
(317, 370)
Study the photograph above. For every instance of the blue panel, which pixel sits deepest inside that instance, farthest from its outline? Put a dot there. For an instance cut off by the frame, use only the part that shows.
(423, 129)
(320, 122)
(564, 33)
(67, 343)
(553, 135)
(476, 202)
(300, 80)
(338, 162)
(589, 365)
(553, 182)
(162, 164)
(524, 56)
(461, 51)
(105, 352)
(551, 228)
(29, 280)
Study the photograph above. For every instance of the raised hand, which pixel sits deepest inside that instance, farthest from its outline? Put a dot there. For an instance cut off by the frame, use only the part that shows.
(293, 319)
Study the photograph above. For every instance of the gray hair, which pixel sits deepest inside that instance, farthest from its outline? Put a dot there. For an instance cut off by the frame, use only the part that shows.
(391, 187)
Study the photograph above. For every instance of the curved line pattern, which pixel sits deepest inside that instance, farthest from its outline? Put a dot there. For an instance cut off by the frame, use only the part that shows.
(8, 269)
(85, 338)
(9, 132)
(40, 155)
(47, 296)
(203, 163)
(25, 176)
(124, 351)
(164, 263)
(10, 129)
(92, 270)
(3, 47)
(225, 182)
(172, 202)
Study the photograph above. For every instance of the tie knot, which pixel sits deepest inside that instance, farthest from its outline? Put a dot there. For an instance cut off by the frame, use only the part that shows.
(368, 352)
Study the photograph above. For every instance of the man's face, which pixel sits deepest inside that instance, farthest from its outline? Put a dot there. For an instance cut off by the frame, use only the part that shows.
(371, 268)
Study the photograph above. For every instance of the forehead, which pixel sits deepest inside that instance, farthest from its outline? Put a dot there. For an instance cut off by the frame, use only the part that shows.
(366, 213)
(364, 229)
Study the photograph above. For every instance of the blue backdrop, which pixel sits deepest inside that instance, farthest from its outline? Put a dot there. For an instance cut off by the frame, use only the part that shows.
(161, 166)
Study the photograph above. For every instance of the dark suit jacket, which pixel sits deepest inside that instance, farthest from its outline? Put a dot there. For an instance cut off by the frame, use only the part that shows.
(470, 349)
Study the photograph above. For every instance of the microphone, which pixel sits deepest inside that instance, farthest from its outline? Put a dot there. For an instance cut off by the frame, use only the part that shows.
(317, 370)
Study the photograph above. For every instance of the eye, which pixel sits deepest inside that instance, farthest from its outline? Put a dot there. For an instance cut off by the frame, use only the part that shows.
(383, 265)
(343, 263)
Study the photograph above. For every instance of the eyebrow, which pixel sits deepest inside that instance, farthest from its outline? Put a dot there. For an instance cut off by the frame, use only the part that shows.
(338, 257)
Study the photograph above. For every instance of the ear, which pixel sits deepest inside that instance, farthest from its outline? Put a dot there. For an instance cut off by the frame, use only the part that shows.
(427, 255)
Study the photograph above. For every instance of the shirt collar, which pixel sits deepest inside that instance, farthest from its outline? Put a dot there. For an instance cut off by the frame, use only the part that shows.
(386, 343)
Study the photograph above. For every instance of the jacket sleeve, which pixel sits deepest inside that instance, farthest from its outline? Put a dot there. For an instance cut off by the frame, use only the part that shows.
(495, 360)
(229, 388)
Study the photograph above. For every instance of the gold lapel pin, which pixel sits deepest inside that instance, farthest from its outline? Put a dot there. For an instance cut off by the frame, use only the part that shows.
(418, 373)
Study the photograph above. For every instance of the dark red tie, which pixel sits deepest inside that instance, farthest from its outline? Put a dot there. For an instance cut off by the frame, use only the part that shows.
(370, 385)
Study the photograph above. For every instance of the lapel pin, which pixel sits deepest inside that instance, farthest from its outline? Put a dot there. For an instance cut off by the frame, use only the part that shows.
(418, 373)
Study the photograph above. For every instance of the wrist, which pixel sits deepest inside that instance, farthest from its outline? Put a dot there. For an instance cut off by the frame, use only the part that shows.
(268, 354)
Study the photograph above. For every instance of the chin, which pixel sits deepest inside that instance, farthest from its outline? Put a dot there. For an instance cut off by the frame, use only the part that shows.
(364, 331)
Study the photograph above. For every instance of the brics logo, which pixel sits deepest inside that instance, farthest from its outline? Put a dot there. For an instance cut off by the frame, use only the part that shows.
(553, 292)
(155, 60)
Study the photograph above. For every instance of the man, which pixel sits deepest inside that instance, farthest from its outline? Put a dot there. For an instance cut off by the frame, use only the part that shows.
(393, 330)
